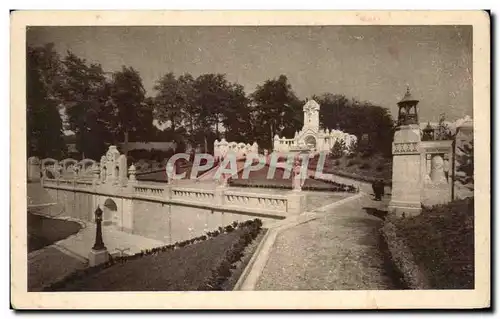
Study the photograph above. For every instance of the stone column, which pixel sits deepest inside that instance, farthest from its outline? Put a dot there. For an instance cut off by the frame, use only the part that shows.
(406, 175)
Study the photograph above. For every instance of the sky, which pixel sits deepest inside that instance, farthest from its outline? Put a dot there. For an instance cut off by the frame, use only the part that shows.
(369, 63)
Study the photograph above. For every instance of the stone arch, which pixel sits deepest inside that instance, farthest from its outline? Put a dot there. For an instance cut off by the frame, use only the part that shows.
(310, 141)
(109, 211)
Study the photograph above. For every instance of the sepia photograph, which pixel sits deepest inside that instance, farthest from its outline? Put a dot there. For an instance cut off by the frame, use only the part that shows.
(157, 155)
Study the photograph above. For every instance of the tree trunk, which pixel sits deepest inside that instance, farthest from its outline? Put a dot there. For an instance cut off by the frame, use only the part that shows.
(217, 127)
(125, 143)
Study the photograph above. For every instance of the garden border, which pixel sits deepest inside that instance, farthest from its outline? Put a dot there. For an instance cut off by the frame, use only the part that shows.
(403, 259)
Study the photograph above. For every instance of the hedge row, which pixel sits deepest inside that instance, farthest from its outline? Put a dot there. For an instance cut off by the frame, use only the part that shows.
(412, 276)
(249, 225)
(221, 273)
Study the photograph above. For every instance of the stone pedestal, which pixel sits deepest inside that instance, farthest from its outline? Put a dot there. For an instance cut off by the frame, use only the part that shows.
(406, 174)
(296, 202)
(97, 257)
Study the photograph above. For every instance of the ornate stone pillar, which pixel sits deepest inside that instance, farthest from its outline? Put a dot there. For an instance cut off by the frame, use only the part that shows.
(406, 175)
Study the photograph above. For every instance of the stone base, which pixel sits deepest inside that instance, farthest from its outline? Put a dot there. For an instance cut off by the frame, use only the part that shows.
(405, 209)
(97, 257)
(296, 202)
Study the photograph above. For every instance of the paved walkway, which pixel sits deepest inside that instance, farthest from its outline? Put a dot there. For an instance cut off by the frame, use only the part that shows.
(339, 249)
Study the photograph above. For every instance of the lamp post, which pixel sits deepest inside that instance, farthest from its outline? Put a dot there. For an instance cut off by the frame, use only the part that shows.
(99, 253)
(99, 244)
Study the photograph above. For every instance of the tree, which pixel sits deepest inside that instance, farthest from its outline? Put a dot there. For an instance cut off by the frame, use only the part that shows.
(443, 131)
(212, 97)
(128, 101)
(169, 101)
(277, 110)
(338, 149)
(236, 116)
(84, 92)
(44, 124)
(358, 118)
(465, 160)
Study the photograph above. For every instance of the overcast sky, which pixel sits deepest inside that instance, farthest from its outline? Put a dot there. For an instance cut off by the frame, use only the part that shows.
(373, 63)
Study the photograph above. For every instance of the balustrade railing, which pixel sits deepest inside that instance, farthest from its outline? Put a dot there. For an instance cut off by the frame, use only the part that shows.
(192, 194)
(149, 190)
(238, 200)
(256, 201)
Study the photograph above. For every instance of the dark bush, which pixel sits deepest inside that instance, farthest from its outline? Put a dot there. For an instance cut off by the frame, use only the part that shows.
(365, 165)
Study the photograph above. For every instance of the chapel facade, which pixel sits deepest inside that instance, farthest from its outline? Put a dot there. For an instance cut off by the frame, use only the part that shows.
(311, 137)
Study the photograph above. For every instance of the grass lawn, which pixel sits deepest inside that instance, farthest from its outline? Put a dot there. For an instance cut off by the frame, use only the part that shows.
(181, 269)
(442, 242)
(44, 231)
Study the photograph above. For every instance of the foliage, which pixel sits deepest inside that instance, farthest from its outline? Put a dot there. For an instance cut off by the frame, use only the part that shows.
(212, 246)
(443, 131)
(83, 93)
(127, 98)
(102, 110)
(221, 273)
(441, 239)
(277, 110)
(153, 154)
(44, 124)
(202, 106)
(338, 149)
(357, 118)
(465, 159)
(365, 165)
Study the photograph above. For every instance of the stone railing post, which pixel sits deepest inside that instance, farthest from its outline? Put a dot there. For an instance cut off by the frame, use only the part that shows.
(168, 191)
(296, 202)
(219, 195)
(132, 172)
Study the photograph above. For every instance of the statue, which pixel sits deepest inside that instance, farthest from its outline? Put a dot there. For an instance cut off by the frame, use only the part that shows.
(297, 180)
(437, 170)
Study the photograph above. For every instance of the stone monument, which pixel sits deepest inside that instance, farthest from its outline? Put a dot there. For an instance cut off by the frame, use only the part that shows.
(406, 175)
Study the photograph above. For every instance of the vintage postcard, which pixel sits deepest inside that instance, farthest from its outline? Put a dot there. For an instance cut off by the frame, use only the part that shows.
(250, 160)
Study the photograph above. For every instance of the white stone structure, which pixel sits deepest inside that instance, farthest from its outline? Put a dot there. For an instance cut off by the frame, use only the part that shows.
(241, 150)
(314, 138)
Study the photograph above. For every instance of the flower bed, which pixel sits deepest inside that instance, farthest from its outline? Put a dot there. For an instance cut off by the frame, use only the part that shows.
(435, 249)
(200, 263)
(259, 179)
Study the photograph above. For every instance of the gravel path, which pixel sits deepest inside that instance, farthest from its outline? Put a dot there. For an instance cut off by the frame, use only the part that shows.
(340, 250)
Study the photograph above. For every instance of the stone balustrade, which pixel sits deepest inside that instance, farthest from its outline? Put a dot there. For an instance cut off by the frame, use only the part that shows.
(218, 198)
